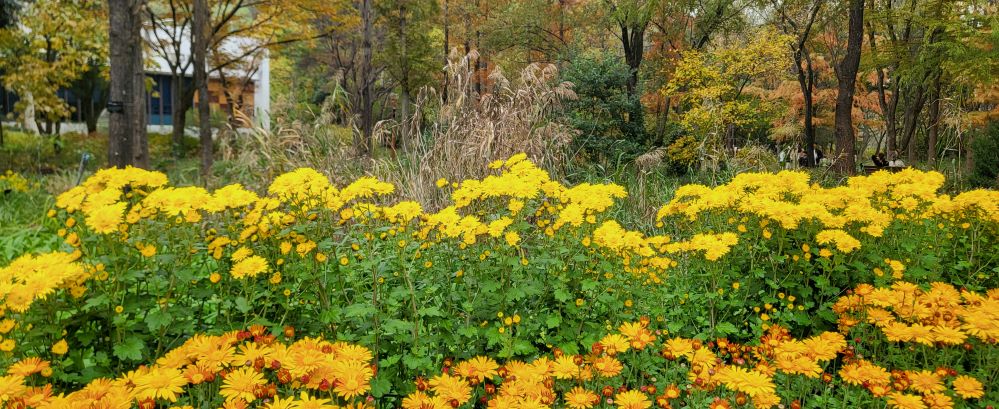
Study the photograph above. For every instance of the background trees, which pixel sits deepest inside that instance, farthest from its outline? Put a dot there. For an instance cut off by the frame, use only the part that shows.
(911, 78)
(54, 44)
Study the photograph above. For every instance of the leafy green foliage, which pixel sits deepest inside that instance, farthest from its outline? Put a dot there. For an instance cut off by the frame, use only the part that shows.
(986, 166)
(603, 111)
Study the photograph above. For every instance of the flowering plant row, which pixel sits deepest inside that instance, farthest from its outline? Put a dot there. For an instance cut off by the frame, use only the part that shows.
(635, 367)
(516, 266)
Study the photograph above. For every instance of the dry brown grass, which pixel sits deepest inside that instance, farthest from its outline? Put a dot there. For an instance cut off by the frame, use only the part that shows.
(464, 131)
(454, 135)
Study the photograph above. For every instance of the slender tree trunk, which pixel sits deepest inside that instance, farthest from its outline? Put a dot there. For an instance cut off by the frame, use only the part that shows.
(910, 120)
(178, 118)
(633, 42)
(3, 95)
(730, 138)
(201, 43)
(363, 144)
(404, 80)
(478, 47)
(230, 100)
(891, 123)
(662, 119)
(934, 118)
(447, 47)
(87, 115)
(30, 125)
(447, 30)
(969, 153)
(138, 108)
(806, 77)
(847, 78)
(468, 51)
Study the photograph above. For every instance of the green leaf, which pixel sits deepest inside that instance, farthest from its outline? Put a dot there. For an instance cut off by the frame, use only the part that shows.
(416, 362)
(389, 361)
(158, 319)
(516, 293)
(433, 311)
(470, 332)
(97, 301)
(380, 386)
(131, 349)
(359, 310)
(396, 326)
(726, 328)
(242, 304)
(330, 315)
(562, 295)
(522, 347)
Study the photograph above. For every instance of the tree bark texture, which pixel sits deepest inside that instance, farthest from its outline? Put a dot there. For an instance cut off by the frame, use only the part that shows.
(847, 83)
(934, 118)
(201, 43)
(362, 142)
(127, 126)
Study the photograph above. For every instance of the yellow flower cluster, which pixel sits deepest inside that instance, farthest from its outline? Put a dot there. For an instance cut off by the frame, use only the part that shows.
(248, 366)
(31, 278)
(910, 388)
(530, 384)
(904, 312)
(745, 370)
(12, 181)
(868, 204)
(498, 207)
(114, 199)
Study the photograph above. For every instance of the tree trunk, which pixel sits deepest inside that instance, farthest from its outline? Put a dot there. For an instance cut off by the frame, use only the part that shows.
(230, 100)
(447, 49)
(662, 119)
(362, 142)
(447, 31)
(934, 127)
(910, 120)
(969, 153)
(730, 138)
(126, 133)
(806, 81)
(30, 125)
(87, 114)
(179, 120)
(3, 103)
(478, 61)
(404, 80)
(138, 109)
(201, 42)
(847, 78)
(633, 42)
